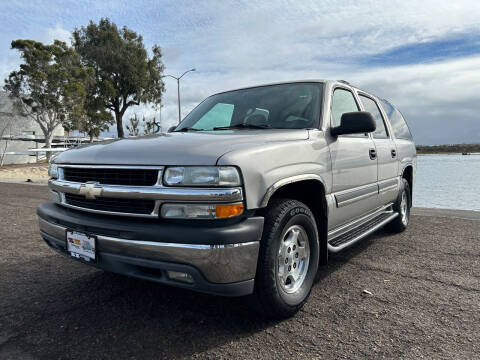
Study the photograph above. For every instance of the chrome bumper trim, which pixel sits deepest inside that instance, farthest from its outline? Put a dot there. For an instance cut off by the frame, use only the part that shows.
(218, 263)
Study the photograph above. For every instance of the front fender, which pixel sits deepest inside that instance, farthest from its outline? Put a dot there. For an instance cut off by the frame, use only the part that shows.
(269, 166)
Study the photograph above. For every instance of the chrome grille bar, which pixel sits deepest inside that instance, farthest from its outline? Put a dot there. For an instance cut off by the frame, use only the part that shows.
(156, 192)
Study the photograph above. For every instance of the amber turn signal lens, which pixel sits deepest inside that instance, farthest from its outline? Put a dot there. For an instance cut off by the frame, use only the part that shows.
(230, 210)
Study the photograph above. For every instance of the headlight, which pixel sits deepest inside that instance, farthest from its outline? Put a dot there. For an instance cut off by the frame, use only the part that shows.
(53, 171)
(201, 211)
(202, 176)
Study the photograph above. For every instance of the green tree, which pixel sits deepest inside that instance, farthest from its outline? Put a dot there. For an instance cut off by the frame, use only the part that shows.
(49, 84)
(93, 121)
(125, 74)
(134, 128)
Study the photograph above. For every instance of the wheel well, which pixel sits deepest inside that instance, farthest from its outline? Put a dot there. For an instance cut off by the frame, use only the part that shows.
(408, 175)
(312, 194)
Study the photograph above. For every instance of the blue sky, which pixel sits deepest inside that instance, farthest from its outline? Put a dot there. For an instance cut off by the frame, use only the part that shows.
(424, 56)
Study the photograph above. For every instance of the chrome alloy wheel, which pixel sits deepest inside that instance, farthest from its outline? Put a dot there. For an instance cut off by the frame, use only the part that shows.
(404, 209)
(293, 259)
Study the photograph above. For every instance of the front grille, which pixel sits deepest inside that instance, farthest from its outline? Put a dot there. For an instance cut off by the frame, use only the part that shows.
(108, 176)
(132, 206)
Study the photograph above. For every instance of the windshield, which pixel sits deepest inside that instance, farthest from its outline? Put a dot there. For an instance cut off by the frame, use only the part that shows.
(284, 106)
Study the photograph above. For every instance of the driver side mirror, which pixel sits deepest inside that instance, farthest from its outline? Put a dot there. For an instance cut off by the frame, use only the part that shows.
(171, 128)
(357, 122)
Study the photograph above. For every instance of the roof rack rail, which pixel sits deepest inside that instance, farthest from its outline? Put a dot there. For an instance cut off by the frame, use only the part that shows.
(344, 82)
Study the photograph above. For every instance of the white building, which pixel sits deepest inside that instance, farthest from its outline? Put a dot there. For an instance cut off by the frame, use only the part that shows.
(13, 124)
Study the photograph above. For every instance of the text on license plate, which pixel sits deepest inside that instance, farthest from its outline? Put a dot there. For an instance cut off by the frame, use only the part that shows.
(81, 246)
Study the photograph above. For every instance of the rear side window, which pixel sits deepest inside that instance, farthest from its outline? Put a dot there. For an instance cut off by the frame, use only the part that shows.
(399, 125)
(371, 106)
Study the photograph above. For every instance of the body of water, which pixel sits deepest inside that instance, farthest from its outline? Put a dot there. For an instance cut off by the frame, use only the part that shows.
(447, 181)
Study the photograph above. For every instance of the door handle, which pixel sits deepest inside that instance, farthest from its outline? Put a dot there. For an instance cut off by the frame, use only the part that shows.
(394, 153)
(372, 153)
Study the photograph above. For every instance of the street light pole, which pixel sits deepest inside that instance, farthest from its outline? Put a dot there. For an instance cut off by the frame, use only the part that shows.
(178, 97)
(178, 91)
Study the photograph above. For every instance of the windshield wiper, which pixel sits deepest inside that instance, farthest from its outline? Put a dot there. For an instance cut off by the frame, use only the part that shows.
(242, 126)
(185, 129)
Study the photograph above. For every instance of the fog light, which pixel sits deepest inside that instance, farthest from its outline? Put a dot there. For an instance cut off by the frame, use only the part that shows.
(180, 276)
(188, 211)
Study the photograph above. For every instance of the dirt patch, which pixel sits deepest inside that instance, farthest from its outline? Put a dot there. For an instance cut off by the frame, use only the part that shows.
(22, 172)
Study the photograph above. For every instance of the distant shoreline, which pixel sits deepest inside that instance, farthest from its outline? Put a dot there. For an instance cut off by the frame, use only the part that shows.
(467, 149)
(445, 153)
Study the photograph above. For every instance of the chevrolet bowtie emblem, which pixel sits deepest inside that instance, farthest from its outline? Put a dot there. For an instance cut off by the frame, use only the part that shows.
(91, 190)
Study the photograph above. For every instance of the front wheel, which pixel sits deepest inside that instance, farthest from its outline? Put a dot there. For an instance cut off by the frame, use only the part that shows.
(288, 259)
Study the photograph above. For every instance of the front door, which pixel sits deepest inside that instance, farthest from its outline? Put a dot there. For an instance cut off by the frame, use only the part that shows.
(386, 153)
(354, 166)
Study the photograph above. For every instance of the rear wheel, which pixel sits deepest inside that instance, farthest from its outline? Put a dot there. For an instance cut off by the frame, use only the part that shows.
(402, 206)
(288, 260)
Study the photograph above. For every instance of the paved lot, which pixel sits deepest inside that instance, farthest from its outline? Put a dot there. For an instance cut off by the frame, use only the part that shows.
(425, 301)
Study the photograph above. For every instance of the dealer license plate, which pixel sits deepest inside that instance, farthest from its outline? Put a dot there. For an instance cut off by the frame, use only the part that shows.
(81, 246)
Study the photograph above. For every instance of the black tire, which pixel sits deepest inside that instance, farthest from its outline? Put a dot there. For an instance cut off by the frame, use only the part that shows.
(270, 297)
(400, 223)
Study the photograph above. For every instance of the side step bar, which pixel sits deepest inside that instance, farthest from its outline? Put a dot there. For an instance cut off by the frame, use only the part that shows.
(339, 243)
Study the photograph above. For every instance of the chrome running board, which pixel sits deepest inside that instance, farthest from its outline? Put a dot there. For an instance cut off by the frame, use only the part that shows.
(345, 240)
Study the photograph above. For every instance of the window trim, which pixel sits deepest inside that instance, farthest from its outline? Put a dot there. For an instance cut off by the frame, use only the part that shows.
(319, 119)
(357, 101)
(380, 109)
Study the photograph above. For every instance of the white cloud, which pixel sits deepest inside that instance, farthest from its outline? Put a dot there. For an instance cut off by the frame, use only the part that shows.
(240, 44)
(286, 34)
(440, 100)
(12, 60)
(56, 33)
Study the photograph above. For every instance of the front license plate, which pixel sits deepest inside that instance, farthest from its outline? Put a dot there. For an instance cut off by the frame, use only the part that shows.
(81, 246)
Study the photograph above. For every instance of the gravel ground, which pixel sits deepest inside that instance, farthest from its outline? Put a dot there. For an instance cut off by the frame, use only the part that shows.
(424, 301)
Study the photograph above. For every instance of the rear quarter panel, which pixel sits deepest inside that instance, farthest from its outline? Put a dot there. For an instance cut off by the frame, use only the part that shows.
(407, 155)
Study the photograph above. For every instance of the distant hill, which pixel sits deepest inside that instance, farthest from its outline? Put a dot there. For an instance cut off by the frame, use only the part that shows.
(450, 149)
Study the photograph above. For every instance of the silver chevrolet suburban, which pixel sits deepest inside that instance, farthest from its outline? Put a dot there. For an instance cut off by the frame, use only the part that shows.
(246, 196)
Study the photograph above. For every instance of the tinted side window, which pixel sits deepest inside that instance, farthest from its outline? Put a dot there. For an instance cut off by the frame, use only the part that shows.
(342, 102)
(399, 126)
(371, 106)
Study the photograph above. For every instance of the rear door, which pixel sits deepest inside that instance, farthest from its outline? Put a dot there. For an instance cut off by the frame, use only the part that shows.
(386, 152)
(354, 169)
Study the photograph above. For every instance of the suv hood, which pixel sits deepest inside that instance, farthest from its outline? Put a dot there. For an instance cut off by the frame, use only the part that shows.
(179, 148)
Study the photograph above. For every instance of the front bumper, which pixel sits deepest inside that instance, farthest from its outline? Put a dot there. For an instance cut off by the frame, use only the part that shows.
(221, 259)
